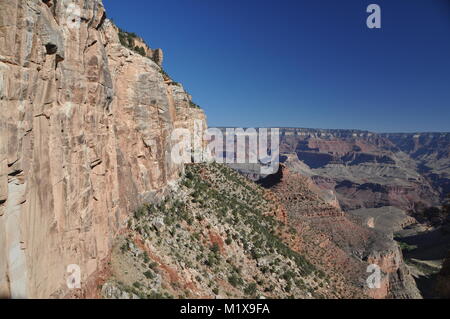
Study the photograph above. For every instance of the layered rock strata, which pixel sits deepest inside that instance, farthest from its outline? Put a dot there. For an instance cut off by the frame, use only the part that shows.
(335, 241)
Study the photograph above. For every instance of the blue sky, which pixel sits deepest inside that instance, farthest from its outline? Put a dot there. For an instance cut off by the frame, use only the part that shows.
(304, 63)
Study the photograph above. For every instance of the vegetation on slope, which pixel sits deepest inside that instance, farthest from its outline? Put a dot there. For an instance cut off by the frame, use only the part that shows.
(127, 39)
(218, 234)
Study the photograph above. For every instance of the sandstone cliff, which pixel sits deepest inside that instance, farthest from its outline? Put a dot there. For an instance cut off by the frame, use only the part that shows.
(84, 139)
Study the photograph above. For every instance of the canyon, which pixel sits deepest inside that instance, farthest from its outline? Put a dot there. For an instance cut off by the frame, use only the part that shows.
(369, 173)
(87, 179)
(395, 184)
(369, 170)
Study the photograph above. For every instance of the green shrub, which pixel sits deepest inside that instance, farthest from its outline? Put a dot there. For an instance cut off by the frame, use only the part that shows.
(215, 248)
(235, 280)
(193, 105)
(140, 50)
(149, 275)
(137, 285)
(250, 290)
(153, 265)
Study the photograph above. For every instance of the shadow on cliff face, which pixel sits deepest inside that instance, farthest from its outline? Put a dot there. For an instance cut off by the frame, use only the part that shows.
(272, 180)
(426, 286)
(424, 253)
(431, 245)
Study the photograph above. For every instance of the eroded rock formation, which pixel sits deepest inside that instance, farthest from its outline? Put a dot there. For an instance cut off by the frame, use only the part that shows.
(366, 170)
(336, 241)
(85, 137)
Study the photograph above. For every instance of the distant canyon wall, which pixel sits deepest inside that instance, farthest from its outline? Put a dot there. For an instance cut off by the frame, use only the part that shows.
(432, 153)
(369, 170)
(84, 139)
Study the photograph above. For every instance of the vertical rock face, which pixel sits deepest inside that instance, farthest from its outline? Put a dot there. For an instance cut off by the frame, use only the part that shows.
(85, 137)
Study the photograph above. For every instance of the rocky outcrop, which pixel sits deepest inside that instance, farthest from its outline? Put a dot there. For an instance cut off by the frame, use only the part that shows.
(334, 240)
(300, 195)
(399, 282)
(137, 44)
(85, 138)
